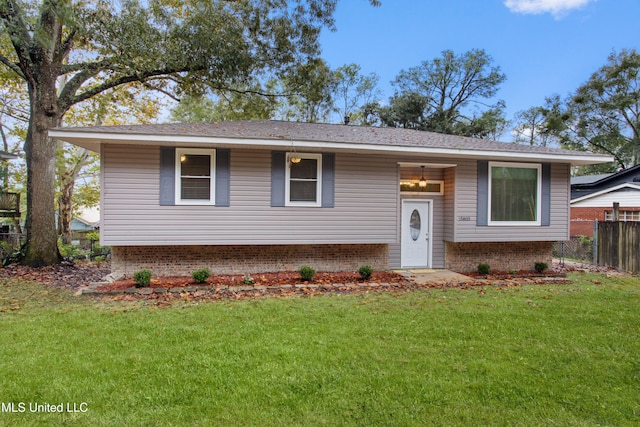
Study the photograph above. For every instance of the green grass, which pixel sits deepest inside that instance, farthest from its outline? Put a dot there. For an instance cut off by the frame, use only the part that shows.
(535, 355)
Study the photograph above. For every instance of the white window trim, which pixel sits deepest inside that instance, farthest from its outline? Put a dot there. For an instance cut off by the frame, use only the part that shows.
(178, 174)
(287, 189)
(426, 193)
(538, 221)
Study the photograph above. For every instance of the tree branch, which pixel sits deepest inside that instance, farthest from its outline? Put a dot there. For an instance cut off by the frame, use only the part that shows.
(11, 15)
(12, 66)
(112, 83)
(64, 48)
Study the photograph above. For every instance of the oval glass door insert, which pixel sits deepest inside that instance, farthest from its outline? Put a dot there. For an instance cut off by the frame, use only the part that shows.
(414, 225)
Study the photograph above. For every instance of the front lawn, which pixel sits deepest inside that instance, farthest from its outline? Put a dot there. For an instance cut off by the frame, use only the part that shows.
(532, 355)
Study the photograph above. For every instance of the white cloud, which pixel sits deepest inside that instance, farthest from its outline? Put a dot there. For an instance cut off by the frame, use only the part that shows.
(555, 7)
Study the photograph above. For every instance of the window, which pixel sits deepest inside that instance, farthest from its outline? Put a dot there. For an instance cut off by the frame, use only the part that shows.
(623, 215)
(195, 176)
(303, 180)
(429, 187)
(514, 194)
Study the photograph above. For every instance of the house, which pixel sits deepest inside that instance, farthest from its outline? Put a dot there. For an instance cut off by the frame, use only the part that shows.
(251, 196)
(593, 196)
(86, 220)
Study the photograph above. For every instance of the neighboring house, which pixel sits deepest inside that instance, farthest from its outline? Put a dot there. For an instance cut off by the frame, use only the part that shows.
(251, 196)
(593, 196)
(85, 221)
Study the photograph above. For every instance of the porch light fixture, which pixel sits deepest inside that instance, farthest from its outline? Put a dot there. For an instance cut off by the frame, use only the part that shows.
(423, 182)
(294, 158)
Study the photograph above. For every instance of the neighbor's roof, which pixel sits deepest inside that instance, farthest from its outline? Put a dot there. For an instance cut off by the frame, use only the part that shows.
(280, 134)
(628, 178)
(589, 179)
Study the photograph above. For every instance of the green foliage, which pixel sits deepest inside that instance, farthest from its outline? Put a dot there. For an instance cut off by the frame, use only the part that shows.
(9, 253)
(201, 276)
(311, 88)
(352, 91)
(541, 266)
(172, 47)
(542, 126)
(306, 273)
(435, 96)
(72, 252)
(586, 240)
(93, 235)
(248, 280)
(484, 268)
(365, 272)
(601, 116)
(142, 278)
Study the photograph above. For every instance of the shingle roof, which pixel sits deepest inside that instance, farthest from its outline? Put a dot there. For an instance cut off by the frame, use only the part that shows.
(588, 179)
(281, 130)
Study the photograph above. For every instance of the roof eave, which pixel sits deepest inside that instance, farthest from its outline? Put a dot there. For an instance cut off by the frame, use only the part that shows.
(93, 140)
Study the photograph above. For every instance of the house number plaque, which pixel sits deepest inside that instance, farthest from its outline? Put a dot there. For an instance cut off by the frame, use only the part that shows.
(464, 218)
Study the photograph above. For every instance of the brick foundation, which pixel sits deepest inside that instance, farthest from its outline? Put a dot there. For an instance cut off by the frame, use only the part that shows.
(505, 256)
(183, 260)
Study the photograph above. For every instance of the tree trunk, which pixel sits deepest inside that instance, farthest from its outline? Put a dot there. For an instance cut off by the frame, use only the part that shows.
(65, 208)
(40, 152)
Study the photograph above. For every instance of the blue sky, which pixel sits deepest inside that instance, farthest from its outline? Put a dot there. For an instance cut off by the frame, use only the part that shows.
(543, 46)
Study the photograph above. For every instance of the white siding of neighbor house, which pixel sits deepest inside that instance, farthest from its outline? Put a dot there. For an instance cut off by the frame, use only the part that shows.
(627, 197)
(365, 204)
(465, 217)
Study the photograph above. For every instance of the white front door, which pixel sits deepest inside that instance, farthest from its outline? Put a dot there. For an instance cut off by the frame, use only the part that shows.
(415, 236)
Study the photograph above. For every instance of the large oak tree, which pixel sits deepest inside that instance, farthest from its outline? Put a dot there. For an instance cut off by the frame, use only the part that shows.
(69, 51)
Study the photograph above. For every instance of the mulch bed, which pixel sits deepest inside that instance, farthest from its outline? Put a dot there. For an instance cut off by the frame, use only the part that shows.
(522, 274)
(261, 279)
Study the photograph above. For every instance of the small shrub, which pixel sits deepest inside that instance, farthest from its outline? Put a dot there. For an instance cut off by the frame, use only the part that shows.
(484, 268)
(306, 273)
(248, 280)
(201, 276)
(142, 278)
(365, 272)
(541, 266)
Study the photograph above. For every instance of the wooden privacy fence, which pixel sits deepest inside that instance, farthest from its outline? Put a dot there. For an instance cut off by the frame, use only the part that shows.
(619, 245)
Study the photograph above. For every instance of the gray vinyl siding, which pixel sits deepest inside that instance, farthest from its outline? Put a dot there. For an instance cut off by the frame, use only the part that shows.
(450, 211)
(364, 212)
(465, 218)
